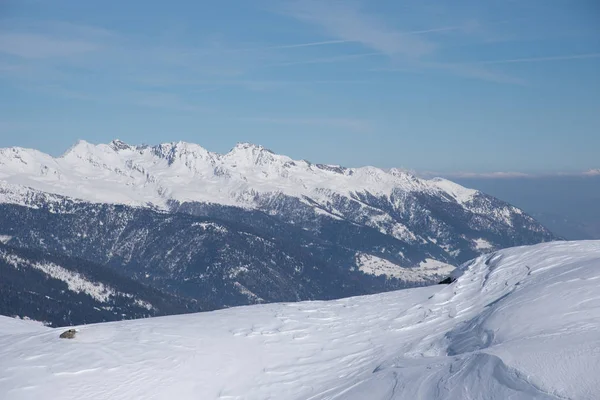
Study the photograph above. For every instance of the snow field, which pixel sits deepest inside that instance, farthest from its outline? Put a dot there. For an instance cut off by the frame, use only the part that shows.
(521, 323)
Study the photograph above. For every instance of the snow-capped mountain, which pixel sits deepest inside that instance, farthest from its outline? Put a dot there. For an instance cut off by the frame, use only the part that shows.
(185, 172)
(521, 323)
(249, 226)
(175, 176)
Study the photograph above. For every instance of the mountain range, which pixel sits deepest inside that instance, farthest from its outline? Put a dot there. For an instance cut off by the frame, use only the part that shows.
(250, 226)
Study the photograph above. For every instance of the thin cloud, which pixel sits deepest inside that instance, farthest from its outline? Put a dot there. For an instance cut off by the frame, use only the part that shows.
(325, 60)
(34, 46)
(472, 71)
(542, 59)
(278, 46)
(592, 172)
(507, 175)
(352, 124)
(250, 84)
(434, 30)
(346, 22)
(476, 72)
(491, 175)
(341, 41)
(165, 101)
(310, 44)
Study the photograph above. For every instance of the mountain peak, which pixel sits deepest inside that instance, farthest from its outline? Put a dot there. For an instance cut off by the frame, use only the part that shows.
(79, 148)
(246, 146)
(402, 173)
(252, 154)
(118, 145)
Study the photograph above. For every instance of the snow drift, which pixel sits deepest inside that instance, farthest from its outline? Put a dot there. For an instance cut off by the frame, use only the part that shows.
(521, 323)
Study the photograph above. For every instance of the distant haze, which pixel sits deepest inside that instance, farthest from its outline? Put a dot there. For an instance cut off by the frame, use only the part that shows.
(568, 206)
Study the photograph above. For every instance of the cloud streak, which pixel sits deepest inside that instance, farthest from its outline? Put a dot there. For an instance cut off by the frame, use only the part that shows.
(408, 50)
(352, 124)
(507, 175)
(35, 46)
(542, 59)
(347, 22)
(592, 172)
(300, 45)
(471, 71)
(325, 60)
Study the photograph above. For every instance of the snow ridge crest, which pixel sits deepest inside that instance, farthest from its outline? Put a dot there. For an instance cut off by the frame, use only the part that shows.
(139, 174)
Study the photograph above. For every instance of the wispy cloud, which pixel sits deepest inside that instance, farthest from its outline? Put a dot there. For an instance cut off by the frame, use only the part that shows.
(155, 99)
(41, 46)
(346, 21)
(163, 101)
(49, 53)
(491, 175)
(472, 71)
(351, 124)
(542, 59)
(408, 50)
(478, 70)
(475, 72)
(507, 175)
(294, 45)
(592, 172)
(324, 60)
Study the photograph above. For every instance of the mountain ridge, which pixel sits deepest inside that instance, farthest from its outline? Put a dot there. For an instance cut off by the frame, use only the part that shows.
(180, 172)
(248, 226)
(188, 161)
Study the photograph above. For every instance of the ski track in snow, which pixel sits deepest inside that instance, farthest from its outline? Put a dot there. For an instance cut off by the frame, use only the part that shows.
(522, 323)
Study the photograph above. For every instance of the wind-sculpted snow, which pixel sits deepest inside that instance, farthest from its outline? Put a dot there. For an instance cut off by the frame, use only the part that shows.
(521, 323)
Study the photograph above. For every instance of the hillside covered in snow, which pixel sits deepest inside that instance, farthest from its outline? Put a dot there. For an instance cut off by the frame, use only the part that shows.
(520, 323)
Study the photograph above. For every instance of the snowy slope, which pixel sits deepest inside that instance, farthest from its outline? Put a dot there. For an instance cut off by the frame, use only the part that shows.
(521, 323)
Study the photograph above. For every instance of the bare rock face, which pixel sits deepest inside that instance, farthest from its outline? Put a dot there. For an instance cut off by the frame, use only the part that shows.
(70, 334)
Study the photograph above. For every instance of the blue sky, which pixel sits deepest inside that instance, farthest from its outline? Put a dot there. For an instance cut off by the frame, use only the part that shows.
(476, 86)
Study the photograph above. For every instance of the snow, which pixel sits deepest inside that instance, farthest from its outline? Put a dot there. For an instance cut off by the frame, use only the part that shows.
(75, 282)
(426, 271)
(11, 326)
(458, 192)
(244, 290)
(431, 267)
(142, 175)
(482, 244)
(144, 304)
(521, 323)
(211, 225)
